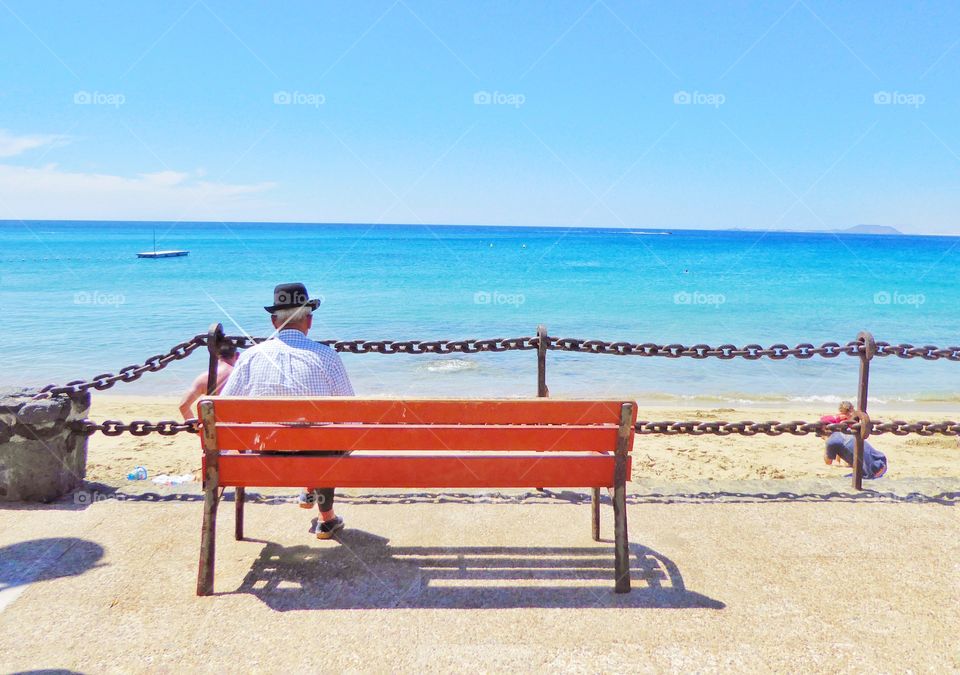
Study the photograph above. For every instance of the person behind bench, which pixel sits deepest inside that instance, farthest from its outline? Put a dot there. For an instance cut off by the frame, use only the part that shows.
(289, 364)
(227, 357)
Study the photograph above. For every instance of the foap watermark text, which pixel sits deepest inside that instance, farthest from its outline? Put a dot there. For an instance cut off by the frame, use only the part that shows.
(683, 97)
(99, 298)
(898, 298)
(498, 298)
(498, 98)
(87, 497)
(899, 98)
(699, 298)
(298, 98)
(83, 97)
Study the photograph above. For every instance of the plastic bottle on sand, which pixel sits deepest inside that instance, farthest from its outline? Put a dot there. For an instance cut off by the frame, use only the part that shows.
(140, 473)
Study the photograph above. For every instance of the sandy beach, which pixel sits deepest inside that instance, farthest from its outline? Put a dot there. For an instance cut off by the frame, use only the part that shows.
(668, 458)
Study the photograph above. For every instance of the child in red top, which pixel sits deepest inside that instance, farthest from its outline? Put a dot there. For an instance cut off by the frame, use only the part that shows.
(845, 413)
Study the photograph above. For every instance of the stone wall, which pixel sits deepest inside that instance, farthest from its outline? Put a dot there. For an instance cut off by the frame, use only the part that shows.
(40, 458)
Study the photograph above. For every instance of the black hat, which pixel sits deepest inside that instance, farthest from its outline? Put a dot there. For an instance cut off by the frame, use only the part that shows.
(291, 296)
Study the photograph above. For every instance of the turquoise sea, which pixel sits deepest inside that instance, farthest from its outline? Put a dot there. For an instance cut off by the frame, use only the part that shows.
(76, 302)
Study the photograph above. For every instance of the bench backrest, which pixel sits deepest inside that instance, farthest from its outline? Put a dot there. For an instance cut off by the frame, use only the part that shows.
(348, 423)
(407, 443)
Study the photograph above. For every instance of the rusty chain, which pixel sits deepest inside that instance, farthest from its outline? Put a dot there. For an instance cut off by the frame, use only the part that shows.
(88, 427)
(468, 346)
(184, 349)
(750, 352)
(748, 428)
(128, 373)
(471, 346)
(691, 428)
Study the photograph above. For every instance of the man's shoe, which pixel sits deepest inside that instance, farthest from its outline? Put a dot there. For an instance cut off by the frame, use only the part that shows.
(328, 529)
(307, 500)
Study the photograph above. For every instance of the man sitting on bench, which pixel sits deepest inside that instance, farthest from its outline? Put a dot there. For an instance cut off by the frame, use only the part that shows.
(289, 364)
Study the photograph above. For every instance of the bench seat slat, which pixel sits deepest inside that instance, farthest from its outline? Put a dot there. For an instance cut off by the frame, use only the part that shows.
(425, 471)
(394, 411)
(417, 437)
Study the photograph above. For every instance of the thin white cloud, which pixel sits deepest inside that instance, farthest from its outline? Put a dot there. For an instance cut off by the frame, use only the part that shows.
(168, 178)
(11, 145)
(51, 193)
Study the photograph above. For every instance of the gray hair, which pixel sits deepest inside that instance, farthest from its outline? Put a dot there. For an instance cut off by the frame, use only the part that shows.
(292, 315)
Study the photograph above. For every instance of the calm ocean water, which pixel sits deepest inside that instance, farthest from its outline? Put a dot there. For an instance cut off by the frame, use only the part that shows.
(77, 302)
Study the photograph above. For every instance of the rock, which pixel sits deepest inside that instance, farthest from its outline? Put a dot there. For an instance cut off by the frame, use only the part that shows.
(13, 398)
(41, 459)
(44, 411)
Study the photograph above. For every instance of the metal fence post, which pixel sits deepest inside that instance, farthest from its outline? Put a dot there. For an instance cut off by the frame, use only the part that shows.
(542, 343)
(867, 351)
(542, 391)
(214, 339)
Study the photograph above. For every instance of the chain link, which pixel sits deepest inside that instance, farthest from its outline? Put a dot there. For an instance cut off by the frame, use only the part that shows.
(128, 373)
(750, 352)
(467, 346)
(749, 428)
(691, 428)
(88, 427)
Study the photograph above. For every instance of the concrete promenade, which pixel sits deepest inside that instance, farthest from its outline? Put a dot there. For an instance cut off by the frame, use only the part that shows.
(753, 576)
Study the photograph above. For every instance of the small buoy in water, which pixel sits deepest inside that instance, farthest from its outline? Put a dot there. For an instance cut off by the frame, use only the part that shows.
(491, 245)
(523, 246)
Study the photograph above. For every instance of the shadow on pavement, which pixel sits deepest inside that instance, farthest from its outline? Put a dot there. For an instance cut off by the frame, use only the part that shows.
(42, 559)
(94, 493)
(362, 571)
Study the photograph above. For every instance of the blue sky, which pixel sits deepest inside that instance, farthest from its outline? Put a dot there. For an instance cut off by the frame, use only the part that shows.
(776, 115)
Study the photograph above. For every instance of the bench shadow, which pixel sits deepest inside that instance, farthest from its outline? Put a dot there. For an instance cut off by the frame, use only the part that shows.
(44, 559)
(362, 571)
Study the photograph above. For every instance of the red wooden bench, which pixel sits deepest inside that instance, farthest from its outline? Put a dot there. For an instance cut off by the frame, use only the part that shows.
(415, 444)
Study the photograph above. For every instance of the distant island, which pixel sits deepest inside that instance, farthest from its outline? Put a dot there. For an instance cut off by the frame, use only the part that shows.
(869, 229)
(855, 229)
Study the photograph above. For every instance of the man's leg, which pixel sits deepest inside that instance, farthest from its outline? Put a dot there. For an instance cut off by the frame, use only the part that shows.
(322, 497)
(329, 524)
(307, 498)
(325, 503)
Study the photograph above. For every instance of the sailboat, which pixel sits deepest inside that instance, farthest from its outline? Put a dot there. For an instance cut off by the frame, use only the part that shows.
(160, 254)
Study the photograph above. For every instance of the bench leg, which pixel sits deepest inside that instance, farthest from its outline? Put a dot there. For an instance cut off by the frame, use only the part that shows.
(240, 496)
(595, 508)
(208, 539)
(622, 546)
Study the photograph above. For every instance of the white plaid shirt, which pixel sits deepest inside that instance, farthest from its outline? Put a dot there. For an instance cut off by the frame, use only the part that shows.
(289, 364)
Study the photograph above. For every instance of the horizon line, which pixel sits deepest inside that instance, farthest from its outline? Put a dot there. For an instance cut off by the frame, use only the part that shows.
(841, 230)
